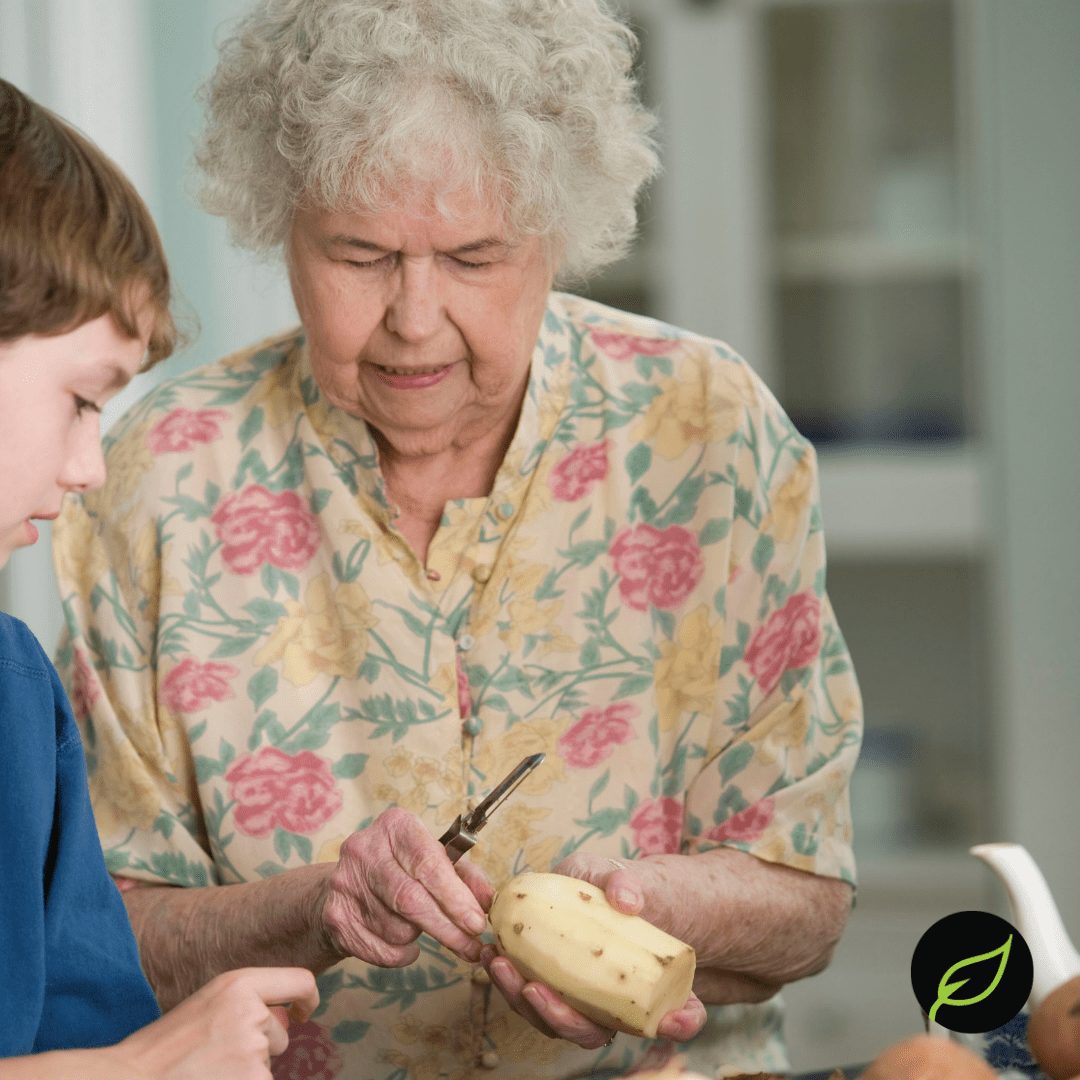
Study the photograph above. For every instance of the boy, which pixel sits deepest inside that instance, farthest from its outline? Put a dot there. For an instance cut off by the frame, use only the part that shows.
(84, 301)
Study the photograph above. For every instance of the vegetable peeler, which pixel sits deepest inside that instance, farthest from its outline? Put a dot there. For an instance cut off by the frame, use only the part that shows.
(461, 836)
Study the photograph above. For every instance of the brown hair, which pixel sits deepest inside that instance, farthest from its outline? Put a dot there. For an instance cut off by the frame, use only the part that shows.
(76, 240)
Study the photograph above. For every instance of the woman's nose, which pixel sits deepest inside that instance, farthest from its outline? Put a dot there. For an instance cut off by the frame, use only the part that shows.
(415, 311)
(84, 465)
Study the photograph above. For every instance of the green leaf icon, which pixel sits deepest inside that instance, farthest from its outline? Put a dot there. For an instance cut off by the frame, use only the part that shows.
(946, 988)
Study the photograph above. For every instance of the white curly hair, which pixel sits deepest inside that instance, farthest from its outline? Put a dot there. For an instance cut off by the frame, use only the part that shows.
(346, 103)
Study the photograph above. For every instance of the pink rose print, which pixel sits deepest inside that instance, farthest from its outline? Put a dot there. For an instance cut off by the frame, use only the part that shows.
(272, 789)
(747, 824)
(85, 688)
(464, 692)
(183, 428)
(656, 567)
(657, 826)
(789, 639)
(257, 526)
(626, 347)
(191, 686)
(575, 475)
(311, 1055)
(594, 737)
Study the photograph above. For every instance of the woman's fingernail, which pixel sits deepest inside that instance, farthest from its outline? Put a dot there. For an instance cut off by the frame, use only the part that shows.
(475, 922)
(626, 897)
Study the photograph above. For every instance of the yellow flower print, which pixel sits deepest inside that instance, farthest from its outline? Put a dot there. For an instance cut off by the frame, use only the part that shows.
(688, 412)
(529, 617)
(522, 581)
(273, 394)
(327, 635)
(129, 461)
(498, 852)
(415, 800)
(444, 682)
(398, 762)
(330, 850)
(434, 1042)
(386, 794)
(80, 559)
(497, 757)
(120, 786)
(518, 1040)
(792, 502)
(686, 673)
(427, 771)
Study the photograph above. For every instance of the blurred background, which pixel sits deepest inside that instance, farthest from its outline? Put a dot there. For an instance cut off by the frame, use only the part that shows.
(877, 202)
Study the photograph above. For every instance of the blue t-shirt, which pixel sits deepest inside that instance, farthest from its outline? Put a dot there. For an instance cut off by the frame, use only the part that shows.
(69, 969)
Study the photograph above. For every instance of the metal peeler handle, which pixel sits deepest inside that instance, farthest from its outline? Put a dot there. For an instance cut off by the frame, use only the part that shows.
(461, 835)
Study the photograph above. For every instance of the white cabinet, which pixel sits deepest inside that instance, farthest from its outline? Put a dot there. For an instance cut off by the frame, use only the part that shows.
(845, 201)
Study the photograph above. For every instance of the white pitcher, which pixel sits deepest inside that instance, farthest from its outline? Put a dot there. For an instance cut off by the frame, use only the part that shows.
(1053, 956)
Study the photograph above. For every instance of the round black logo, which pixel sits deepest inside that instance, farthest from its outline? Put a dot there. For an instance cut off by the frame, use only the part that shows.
(971, 971)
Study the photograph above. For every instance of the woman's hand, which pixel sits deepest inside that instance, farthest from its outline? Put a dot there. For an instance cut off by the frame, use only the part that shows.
(545, 1009)
(231, 1027)
(394, 881)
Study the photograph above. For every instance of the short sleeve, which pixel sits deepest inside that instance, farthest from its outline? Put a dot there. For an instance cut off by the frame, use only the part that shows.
(141, 773)
(788, 721)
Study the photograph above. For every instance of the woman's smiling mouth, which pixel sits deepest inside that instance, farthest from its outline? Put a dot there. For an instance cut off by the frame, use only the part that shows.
(416, 378)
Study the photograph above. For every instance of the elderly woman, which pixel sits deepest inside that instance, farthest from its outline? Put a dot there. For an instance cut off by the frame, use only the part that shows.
(338, 584)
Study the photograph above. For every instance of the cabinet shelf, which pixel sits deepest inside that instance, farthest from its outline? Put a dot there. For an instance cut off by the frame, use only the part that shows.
(859, 259)
(903, 501)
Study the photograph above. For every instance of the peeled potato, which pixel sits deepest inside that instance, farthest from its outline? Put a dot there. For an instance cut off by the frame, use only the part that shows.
(617, 969)
(1054, 1032)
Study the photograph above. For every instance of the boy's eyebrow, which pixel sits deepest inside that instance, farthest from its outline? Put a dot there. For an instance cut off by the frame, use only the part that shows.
(118, 377)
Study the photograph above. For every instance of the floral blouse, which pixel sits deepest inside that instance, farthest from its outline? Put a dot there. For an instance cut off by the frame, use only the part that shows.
(261, 664)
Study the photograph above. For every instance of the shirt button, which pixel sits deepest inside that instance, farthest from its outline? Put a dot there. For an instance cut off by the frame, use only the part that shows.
(466, 642)
(433, 575)
(481, 573)
(489, 1059)
(480, 977)
(472, 726)
(505, 511)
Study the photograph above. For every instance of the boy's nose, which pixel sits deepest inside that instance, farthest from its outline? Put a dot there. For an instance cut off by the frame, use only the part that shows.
(84, 468)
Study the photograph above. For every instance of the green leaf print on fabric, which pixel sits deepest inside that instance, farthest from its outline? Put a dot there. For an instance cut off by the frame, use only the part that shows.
(763, 553)
(401, 987)
(733, 761)
(235, 646)
(348, 1031)
(638, 462)
(714, 530)
(177, 870)
(207, 767)
(251, 426)
(285, 843)
(350, 766)
(262, 686)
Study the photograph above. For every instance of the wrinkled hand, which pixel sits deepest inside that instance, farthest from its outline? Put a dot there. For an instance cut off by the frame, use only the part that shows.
(545, 1009)
(394, 881)
(231, 1027)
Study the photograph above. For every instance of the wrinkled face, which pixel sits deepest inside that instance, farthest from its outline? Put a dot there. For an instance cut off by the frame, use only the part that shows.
(422, 326)
(52, 390)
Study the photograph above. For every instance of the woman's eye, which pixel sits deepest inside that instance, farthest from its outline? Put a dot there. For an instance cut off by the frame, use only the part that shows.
(370, 264)
(82, 405)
